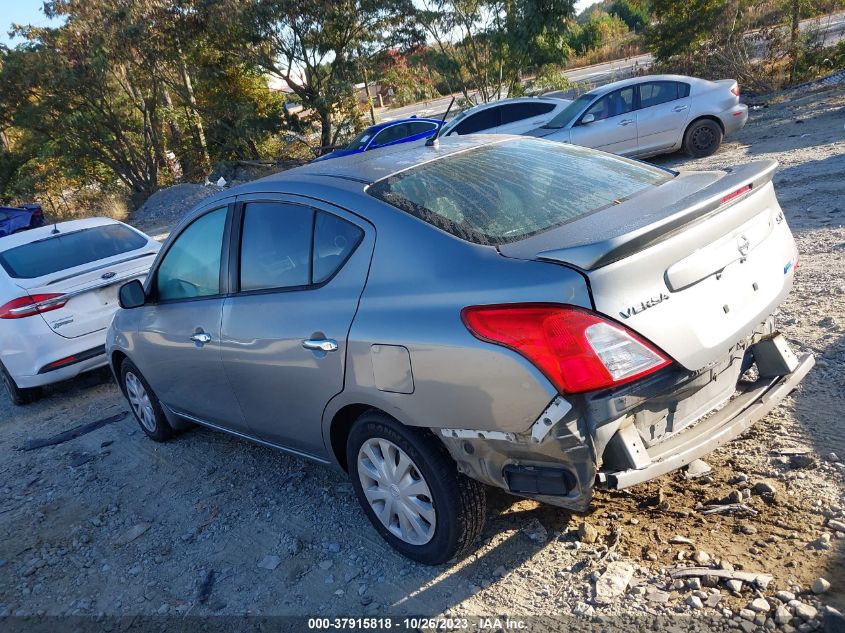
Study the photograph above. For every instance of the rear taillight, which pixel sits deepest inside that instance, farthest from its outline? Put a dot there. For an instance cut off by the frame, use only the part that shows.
(31, 305)
(735, 90)
(576, 349)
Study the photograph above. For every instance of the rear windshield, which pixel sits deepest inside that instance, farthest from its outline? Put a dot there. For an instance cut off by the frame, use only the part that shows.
(509, 191)
(60, 252)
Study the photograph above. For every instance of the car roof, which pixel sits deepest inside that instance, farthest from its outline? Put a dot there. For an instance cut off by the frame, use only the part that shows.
(378, 127)
(622, 83)
(358, 170)
(33, 235)
(491, 104)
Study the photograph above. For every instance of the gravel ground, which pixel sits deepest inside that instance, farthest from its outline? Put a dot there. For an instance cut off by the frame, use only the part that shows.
(112, 523)
(163, 210)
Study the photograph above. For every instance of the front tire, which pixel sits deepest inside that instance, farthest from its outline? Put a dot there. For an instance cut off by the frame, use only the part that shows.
(19, 396)
(144, 404)
(411, 490)
(702, 138)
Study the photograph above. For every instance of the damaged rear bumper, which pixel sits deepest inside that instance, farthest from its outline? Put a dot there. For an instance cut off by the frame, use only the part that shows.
(633, 434)
(735, 418)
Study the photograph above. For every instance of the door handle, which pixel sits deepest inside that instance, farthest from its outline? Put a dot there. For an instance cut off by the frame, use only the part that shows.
(679, 108)
(324, 345)
(624, 122)
(201, 338)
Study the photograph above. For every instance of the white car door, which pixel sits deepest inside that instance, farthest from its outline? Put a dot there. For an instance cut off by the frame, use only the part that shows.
(663, 114)
(609, 124)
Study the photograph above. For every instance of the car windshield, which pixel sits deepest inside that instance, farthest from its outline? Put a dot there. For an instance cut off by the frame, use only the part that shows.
(570, 111)
(60, 252)
(361, 140)
(508, 191)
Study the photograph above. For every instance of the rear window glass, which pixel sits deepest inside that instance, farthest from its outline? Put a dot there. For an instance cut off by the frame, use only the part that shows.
(509, 191)
(60, 252)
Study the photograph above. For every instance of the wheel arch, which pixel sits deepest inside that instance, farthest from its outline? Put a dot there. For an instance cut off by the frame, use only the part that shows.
(702, 117)
(116, 360)
(340, 426)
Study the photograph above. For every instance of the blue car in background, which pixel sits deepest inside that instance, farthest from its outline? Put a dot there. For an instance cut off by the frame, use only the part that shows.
(389, 133)
(14, 219)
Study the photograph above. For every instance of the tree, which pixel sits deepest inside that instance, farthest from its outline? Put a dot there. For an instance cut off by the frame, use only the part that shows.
(127, 96)
(313, 45)
(632, 12)
(682, 27)
(485, 45)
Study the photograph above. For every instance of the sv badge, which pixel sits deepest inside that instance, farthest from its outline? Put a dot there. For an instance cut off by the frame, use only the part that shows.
(642, 306)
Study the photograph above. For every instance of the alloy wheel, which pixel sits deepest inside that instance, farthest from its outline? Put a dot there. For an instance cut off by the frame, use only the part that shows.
(396, 491)
(140, 402)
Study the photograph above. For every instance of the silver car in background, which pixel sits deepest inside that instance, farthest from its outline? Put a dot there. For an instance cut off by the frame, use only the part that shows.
(499, 310)
(646, 116)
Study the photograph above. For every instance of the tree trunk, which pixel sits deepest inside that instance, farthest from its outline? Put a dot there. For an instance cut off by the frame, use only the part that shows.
(5, 141)
(175, 130)
(195, 115)
(367, 86)
(325, 128)
(794, 36)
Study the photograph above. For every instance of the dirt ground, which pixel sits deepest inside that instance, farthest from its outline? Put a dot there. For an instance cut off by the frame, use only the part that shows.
(112, 523)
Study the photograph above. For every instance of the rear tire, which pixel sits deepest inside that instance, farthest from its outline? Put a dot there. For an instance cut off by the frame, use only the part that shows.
(19, 396)
(702, 138)
(144, 404)
(434, 513)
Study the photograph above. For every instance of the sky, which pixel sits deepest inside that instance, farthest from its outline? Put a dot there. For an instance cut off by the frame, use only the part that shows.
(29, 12)
(20, 12)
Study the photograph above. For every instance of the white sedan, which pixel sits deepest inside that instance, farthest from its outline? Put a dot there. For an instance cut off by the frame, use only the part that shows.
(656, 114)
(58, 293)
(508, 116)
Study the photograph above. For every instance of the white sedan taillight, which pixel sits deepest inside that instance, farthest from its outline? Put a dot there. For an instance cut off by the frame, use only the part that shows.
(31, 305)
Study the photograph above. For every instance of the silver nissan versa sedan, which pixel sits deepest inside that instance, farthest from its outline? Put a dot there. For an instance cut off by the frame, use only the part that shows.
(492, 310)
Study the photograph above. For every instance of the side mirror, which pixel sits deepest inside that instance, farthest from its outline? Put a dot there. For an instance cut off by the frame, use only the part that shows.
(588, 118)
(131, 295)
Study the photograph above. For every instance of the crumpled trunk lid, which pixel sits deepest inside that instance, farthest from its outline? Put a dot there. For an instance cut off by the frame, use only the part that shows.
(694, 265)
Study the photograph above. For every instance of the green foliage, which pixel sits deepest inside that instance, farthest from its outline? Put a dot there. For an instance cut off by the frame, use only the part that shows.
(550, 77)
(482, 47)
(682, 27)
(632, 12)
(317, 47)
(599, 31)
(410, 80)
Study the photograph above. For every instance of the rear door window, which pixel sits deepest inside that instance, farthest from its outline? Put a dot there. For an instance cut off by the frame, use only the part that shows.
(69, 250)
(276, 246)
(191, 266)
(286, 246)
(479, 121)
(654, 93)
(513, 112)
(420, 127)
(334, 241)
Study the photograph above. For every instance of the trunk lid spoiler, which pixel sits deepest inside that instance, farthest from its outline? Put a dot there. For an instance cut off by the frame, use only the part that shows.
(627, 227)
